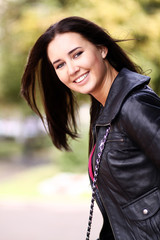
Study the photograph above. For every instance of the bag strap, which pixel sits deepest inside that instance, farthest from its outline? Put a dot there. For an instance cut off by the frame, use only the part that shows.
(97, 165)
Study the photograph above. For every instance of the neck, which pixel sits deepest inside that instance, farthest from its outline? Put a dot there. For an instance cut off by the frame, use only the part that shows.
(102, 93)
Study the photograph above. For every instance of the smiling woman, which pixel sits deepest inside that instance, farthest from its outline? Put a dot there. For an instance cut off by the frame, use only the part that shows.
(76, 55)
(42, 67)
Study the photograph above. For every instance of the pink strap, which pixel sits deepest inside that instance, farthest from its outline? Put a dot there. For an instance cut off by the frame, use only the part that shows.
(90, 163)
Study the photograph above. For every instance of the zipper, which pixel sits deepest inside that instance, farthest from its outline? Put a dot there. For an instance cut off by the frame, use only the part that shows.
(116, 140)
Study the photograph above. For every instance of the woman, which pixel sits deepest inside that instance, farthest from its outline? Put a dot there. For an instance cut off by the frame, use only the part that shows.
(77, 55)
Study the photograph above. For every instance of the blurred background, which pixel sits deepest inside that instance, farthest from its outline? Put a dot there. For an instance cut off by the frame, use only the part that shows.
(45, 193)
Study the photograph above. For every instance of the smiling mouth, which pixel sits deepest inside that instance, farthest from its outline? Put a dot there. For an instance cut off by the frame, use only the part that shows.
(80, 79)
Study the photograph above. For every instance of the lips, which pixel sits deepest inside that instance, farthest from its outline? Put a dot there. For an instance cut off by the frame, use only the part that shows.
(81, 78)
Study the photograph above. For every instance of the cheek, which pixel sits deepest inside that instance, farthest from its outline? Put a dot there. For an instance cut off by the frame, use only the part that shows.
(87, 63)
(94, 60)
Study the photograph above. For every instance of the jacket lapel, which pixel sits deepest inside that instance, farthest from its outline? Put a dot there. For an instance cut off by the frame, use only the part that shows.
(125, 82)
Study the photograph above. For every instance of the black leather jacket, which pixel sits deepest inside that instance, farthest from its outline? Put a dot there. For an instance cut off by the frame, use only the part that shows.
(128, 192)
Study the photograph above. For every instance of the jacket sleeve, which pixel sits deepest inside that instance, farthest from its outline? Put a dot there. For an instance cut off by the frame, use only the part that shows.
(141, 121)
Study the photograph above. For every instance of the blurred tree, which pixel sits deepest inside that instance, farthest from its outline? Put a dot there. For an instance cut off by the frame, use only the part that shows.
(12, 54)
(150, 6)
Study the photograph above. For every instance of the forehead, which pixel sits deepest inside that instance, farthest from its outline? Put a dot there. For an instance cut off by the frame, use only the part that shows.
(69, 37)
(65, 42)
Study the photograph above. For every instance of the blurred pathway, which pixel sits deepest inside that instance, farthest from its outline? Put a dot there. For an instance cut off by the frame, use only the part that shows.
(64, 218)
(46, 221)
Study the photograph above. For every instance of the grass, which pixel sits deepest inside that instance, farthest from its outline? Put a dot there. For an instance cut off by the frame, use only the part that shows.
(25, 184)
(25, 187)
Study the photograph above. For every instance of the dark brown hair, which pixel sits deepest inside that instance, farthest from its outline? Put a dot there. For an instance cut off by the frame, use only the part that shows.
(58, 100)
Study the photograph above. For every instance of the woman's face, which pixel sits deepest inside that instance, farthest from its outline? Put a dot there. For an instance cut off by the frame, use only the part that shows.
(78, 63)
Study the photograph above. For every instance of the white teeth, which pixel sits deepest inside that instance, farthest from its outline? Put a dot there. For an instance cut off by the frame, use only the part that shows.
(81, 78)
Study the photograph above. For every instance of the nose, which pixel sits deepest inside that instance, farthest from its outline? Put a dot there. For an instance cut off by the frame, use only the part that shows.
(72, 68)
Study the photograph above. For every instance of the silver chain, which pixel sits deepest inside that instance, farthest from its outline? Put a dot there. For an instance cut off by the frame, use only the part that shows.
(97, 165)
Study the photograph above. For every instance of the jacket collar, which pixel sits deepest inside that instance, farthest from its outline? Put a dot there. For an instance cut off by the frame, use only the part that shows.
(125, 82)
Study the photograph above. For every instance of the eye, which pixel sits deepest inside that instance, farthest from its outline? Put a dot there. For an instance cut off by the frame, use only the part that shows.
(78, 54)
(59, 65)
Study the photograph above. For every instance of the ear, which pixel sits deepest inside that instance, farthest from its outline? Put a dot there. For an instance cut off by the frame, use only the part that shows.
(104, 51)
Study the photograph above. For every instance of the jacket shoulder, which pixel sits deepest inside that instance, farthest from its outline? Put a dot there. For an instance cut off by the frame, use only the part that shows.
(140, 99)
(139, 115)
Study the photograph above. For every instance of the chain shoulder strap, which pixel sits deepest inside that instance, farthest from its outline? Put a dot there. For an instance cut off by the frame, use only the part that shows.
(97, 165)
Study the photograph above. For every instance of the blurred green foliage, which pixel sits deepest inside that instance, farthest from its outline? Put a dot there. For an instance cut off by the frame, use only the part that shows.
(40, 150)
(22, 21)
(9, 148)
(74, 161)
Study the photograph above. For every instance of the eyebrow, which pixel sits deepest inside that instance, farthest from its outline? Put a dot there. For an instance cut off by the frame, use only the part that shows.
(70, 52)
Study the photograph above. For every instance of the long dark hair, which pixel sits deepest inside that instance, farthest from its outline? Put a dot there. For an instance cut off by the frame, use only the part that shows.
(58, 100)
